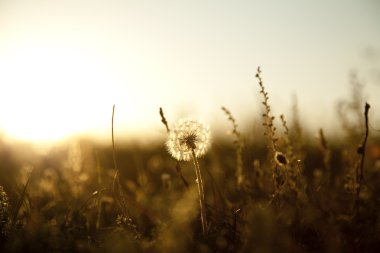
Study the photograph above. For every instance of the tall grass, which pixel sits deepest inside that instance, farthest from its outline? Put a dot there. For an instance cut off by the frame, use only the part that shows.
(281, 191)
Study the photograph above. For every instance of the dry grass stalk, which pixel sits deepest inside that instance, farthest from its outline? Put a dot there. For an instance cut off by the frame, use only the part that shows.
(239, 147)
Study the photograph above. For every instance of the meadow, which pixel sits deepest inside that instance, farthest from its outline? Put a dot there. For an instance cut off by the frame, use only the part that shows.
(274, 190)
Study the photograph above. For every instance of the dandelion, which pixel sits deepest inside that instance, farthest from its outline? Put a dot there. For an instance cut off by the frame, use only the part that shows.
(190, 139)
(186, 137)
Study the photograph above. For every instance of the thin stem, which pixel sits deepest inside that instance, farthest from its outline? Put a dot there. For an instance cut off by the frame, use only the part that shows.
(118, 194)
(99, 212)
(21, 200)
(163, 120)
(361, 151)
(113, 154)
(201, 193)
(113, 139)
(235, 224)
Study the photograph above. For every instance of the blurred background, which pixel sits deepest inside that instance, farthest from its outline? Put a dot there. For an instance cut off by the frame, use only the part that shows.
(63, 64)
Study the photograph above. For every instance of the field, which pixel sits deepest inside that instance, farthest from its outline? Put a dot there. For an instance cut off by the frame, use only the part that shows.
(277, 190)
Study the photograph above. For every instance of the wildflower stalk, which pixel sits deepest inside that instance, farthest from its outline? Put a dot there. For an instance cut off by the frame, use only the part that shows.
(99, 207)
(270, 131)
(177, 166)
(239, 147)
(115, 179)
(113, 140)
(117, 191)
(361, 151)
(163, 120)
(201, 193)
(268, 118)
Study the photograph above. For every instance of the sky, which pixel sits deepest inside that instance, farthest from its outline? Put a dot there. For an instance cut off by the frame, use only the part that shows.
(63, 64)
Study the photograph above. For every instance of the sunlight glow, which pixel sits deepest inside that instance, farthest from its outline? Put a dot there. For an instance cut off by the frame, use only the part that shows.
(60, 91)
(63, 64)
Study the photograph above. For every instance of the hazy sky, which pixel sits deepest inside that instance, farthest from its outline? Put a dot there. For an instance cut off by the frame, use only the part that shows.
(63, 64)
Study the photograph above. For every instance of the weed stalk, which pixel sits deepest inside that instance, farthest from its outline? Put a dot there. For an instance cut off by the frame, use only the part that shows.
(177, 166)
(361, 150)
(239, 147)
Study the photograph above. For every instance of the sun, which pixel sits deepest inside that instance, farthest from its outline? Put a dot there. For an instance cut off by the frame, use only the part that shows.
(50, 92)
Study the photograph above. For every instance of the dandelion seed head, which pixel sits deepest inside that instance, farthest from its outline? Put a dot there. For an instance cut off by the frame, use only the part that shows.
(188, 135)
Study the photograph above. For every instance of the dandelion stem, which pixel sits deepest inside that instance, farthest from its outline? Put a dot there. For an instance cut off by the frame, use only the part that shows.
(201, 193)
